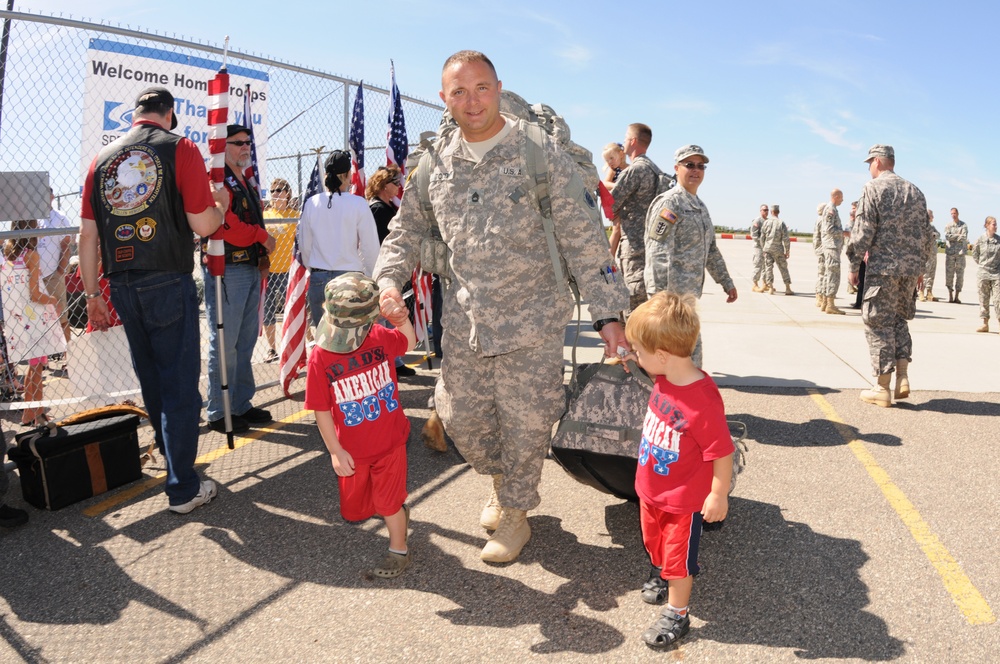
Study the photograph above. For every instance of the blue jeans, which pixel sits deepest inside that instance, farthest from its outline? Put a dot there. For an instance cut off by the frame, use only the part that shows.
(241, 327)
(159, 311)
(317, 295)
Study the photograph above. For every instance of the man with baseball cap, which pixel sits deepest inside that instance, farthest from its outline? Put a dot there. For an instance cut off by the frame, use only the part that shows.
(892, 226)
(680, 237)
(143, 197)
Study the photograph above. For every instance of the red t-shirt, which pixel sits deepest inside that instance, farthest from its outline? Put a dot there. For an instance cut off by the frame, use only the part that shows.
(192, 179)
(684, 432)
(362, 392)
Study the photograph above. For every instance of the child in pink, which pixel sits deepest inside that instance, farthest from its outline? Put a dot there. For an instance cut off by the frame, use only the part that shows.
(351, 385)
(685, 457)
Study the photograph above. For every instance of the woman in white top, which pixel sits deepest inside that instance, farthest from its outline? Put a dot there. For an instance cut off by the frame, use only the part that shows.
(336, 233)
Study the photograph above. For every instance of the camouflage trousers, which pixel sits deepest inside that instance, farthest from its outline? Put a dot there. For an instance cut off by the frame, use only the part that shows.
(889, 303)
(831, 260)
(758, 262)
(820, 274)
(632, 265)
(499, 411)
(930, 271)
(769, 262)
(954, 272)
(989, 296)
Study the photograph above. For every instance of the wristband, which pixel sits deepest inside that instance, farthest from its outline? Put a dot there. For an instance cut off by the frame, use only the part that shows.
(599, 324)
(91, 296)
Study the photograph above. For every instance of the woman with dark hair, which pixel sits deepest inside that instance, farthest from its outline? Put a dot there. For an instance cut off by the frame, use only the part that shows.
(336, 233)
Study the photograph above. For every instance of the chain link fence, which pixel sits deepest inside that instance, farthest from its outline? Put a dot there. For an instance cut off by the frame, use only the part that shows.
(68, 88)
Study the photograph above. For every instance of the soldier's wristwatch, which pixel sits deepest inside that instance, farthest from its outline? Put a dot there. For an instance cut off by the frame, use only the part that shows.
(599, 324)
(91, 296)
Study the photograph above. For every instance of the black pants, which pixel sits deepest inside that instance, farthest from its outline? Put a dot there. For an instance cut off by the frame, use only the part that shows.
(861, 286)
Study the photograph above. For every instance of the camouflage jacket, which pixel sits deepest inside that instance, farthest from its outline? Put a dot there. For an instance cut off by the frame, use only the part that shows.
(680, 245)
(774, 236)
(956, 239)
(986, 253)
(833, 230)
(892, 226)
(502, 293)
(634, 191)
(818, 236)
(935, 238)
(755, 227)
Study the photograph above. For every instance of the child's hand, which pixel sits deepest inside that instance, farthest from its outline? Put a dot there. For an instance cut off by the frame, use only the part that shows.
(394, 312)
(715, 508)
(343, 463)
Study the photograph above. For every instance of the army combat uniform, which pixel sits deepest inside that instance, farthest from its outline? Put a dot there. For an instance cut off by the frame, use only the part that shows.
(892, 226)
(930, 269)
(774, 238)
(833, 244)
(986, 253)
(820, 261)
(680, 247)
(504, 314)
(634, 191)
(956, 238)
(758, 248)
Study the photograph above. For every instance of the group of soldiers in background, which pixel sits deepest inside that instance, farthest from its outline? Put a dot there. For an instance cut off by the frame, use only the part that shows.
(772, 245)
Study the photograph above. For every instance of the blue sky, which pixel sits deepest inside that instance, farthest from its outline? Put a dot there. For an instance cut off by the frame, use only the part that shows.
(785, 97)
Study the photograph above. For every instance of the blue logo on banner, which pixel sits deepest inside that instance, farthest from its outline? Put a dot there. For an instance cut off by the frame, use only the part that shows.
(114, 118)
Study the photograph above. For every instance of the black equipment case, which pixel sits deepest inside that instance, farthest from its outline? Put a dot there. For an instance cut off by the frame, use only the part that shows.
(68, 464)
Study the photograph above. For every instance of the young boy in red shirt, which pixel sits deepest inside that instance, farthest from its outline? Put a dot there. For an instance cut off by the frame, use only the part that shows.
(351, 385)
(685, 458)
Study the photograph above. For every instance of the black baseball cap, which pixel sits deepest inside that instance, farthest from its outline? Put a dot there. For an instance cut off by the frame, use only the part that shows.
(157, 96)
(233, 129)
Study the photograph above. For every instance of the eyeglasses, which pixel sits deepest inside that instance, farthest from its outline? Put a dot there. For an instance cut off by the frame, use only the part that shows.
(240, 143)
(690, 165)
(280, 191)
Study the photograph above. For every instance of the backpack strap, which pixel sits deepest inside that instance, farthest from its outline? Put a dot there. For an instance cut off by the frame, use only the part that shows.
(422, 173)
(538, 172)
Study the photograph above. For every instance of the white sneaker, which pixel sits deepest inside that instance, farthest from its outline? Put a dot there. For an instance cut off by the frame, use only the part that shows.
(206, 492)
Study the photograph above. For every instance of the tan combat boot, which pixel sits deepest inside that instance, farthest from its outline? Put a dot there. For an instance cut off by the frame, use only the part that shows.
(957, 301)
(831, 307)
(490, 516)
(985, 327)
(923, 296)
(930, 296)
(951, 297)
(433, 433)
(769, 289)
(820, 301)
(788, 289)
(756, 288)
(509, 538)
(879, 393)
(902, 379)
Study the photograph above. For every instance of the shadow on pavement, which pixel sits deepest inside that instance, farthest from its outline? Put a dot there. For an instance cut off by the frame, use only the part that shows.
(815, 433)
(955, 407)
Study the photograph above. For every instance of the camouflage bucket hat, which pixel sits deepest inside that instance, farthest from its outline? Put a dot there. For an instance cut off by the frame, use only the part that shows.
(349, 311)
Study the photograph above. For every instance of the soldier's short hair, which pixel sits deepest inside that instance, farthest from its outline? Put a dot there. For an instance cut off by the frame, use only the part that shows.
(666, 321)
(641, 132)
(469, 56)
(775, 209)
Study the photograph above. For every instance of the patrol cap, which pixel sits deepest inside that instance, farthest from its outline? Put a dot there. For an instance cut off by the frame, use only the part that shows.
(338, 162)
(880, 150)
(349, 311)
(233, 129)
(156, 96)
(689, 151)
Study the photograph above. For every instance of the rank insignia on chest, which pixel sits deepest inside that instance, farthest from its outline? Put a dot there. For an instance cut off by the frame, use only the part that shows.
(475, 196)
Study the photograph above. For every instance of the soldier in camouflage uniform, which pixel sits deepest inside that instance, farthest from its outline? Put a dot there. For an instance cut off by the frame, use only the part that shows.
(634, 191)
(986, 253)
(504, 311)
(680, 237)
(758, 248)
(930, 270)
(832, 234)
(892, 227)
(956, 244)
(777, 248)
(820, 261)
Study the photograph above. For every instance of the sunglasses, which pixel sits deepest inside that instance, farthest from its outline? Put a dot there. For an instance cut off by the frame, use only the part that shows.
(240, 143)
(690, 165)
(280, 191)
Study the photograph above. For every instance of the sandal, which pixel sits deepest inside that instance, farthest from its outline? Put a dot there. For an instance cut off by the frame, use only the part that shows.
(668, 629)
(654, 591)
(392, 565)
(41, 420)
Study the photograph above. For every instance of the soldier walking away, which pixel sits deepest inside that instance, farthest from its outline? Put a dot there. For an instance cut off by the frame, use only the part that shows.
(956, 243)
(892, 228)
(832, 234)
(986, 253)
(758, 248)
(505, 307)
(820, 261)
(777, 248)
(930, 269)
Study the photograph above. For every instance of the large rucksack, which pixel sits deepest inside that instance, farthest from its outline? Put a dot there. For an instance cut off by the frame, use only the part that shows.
(536, 118)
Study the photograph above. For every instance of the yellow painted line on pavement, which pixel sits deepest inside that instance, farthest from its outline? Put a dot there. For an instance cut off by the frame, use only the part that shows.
(969, 600)
(128, 494)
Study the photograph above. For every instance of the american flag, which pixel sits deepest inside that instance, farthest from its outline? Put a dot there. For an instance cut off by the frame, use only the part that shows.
(397, 148)
(293, 328)
(357, 143)
(218, 117)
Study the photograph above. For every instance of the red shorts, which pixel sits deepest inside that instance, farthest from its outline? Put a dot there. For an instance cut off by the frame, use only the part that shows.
(671, 540)
(377, 486)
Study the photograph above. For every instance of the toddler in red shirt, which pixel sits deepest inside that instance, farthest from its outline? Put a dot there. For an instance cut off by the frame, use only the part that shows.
(351, 385)
(685, 457)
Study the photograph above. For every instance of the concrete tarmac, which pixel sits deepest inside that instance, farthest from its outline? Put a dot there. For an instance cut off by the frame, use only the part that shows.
(855, 533)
